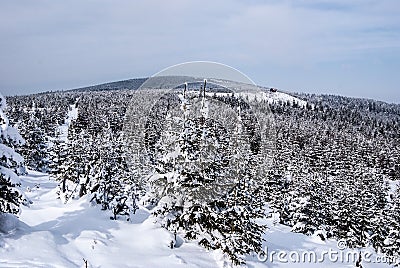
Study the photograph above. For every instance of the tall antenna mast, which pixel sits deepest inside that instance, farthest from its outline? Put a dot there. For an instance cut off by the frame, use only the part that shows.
(204, 94)
(204, 88)
(202, 120)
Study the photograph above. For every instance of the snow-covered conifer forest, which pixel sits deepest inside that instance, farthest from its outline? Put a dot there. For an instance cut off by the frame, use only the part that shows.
(109, 177)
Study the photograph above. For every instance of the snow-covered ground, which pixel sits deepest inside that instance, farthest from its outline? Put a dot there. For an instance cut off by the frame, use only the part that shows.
(52, 234)
(270, 97)
(71, 115)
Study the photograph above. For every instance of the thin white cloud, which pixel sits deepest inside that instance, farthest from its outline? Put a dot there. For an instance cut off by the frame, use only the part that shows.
(291, 35)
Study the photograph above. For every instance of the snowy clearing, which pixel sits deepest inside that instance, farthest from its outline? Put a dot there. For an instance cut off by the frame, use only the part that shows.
(71, 115)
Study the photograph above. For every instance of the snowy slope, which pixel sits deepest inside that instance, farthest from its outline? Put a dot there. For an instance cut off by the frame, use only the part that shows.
(296, 249)
(284, 97)
(273, 97)
(51, 234)
(252, 92)
(270, 97)
(71, 115)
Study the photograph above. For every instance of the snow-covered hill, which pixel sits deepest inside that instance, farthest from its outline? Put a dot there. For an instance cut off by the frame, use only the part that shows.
(51, 234)
(270, 97)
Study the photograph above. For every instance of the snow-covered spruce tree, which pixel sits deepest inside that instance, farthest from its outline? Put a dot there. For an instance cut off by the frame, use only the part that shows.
(309, 210)
(11, 165)
(111, 185)
(72, 156)
(194, 162)
(56, 157)
(235, 231)
(37, 118)
(365, 198)
(34, 150)
(391, 226)
(71, 162)
(91, 160)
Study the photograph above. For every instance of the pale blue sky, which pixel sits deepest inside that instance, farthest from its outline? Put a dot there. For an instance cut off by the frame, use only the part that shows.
(341, 47)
